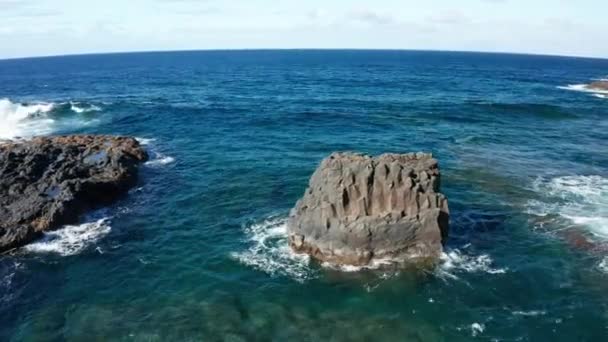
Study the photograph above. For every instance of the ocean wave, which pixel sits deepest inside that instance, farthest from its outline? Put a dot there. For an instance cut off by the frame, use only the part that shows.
(25, 120)
(18, 120)
(549, 111)
(603, 265)
(8, 270)
(70, 240)
(79, 108)
(269, 251)
(582, 200)
(454, 261)
(531, 313)
(585, 89)
(145, 141)
(375, 264)
(159, 159)
(477, 328)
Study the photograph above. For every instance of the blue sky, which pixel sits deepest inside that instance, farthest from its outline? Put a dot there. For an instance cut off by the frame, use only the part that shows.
(51, 27)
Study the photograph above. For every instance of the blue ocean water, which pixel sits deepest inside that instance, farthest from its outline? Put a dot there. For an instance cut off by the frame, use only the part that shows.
(197, 250)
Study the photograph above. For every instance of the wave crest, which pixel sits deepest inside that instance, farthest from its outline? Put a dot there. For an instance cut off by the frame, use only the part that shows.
(70, 240)
(25, 120)
(455, 261)
(269, 251)
(581, 200)
(586, 89)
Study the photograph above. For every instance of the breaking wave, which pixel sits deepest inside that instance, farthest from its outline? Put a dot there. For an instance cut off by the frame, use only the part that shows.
(581, 200)
(455, 261)
(70, 240)
(269, 251)
(79, 108)
(586, 89)
(603, 265)
(157, 159)
(25, 120)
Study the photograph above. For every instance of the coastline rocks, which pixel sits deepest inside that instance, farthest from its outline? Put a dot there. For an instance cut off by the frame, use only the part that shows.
(599, 85)
(48, 182)
(358, 209)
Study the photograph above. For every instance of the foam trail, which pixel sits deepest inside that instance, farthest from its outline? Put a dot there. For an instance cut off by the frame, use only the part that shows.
(79, 108)
(603, 265)
(159, 160)
(582, 200)
(70, 240)
(145, 141)
(600, 93)
(477, 328)
(24, 120)
(454, 261)
(529, 313)
(270, 253)
(583, 88)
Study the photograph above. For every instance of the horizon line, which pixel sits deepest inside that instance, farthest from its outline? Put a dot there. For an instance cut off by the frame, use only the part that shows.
(298, 49)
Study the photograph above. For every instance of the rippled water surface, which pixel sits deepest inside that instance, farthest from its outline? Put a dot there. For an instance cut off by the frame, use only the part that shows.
(197, 250)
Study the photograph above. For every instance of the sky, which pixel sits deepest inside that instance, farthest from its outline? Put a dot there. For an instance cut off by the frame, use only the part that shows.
(58, 27)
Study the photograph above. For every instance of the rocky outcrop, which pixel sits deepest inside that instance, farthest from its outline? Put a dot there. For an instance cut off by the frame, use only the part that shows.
(599, 85)
(47, 182)
(358, 209)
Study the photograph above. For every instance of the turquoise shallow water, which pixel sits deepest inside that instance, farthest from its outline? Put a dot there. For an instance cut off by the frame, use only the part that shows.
(197, 251)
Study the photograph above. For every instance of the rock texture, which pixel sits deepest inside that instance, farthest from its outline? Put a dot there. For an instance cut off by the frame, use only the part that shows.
(358, 209)
(49, 182)
(600, 85)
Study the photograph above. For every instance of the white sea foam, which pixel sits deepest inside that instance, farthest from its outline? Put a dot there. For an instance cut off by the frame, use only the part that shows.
(270, 253)
(80, 108)
(531, 313)
(582, 200)
(70, 240)
(603, 265)
(145, 141)
(6, 282)
(477, 328)
(586, 89)
(24, 120)
(454, 262)
(375, 264)
(601, 96)
(159, 159)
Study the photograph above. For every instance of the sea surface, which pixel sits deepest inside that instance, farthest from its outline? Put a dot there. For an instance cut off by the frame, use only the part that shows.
(197, 251)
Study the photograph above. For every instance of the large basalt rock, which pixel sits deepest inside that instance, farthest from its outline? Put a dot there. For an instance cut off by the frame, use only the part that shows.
(47, 182)
(358, 209)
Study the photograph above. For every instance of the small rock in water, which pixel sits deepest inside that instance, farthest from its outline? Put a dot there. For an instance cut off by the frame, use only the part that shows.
(599, 85)
(359, 209)
(48, 182)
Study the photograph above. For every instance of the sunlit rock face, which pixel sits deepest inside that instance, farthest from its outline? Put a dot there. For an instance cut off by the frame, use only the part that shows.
(359, 208)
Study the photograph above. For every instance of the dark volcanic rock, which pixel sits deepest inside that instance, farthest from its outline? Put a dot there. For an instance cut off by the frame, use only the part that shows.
(49, 182)
(599, 85)
(358, 209)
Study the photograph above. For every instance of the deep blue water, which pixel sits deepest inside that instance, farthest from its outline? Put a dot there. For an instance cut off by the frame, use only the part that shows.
(197, 250)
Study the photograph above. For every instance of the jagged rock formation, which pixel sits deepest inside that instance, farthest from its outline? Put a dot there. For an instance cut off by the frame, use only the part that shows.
(358, 209)
(48, 182)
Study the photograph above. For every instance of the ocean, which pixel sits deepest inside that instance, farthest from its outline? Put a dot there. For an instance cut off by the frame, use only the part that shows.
(197, 250)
